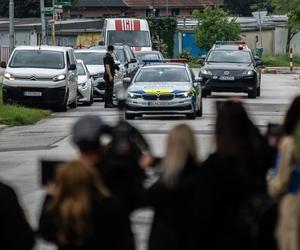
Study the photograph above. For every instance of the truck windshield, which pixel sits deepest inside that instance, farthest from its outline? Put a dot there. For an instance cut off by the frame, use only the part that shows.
(131, 38)
(37, 59)
(90, 58)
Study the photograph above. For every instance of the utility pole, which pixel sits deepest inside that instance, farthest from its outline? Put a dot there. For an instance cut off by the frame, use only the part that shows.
(167, 8)
(43, 22)
(53, 24)
(11, 27)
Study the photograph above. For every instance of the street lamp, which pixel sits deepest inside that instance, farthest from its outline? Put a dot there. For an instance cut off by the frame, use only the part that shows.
(11, 27)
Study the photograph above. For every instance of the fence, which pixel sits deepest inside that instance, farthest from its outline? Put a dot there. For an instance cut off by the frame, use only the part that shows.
(4, 53)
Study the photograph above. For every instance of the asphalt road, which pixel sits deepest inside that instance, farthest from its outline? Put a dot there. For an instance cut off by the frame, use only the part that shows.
(22, 147)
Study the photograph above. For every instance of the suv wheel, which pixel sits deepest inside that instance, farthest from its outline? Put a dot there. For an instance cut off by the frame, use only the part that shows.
(129, 116)
(258, 91)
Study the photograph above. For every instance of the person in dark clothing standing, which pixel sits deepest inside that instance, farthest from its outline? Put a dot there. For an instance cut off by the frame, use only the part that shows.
(15, 232)
(110, 67)
(172, 195)
(235, 172)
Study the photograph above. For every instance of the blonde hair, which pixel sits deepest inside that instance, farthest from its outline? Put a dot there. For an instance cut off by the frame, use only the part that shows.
(181, 145)
(76, 184)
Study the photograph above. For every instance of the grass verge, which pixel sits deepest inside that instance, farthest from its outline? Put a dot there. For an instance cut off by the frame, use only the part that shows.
(17, 115)
(280, 60)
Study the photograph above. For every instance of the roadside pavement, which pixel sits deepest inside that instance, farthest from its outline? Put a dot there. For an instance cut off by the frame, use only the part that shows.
(281, 70)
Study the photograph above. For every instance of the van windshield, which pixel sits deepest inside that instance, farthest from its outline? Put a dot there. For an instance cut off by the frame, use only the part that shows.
(131, 38)
(37, 59)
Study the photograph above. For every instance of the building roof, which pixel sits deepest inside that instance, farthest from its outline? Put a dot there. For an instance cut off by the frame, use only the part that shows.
(102, 3)
(172, 3)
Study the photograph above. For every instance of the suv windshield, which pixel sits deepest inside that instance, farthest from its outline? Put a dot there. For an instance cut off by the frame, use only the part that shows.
(162, 75)
(131, 38)
(90, 58)
(80, 69)
(229, 56)
(37, 59)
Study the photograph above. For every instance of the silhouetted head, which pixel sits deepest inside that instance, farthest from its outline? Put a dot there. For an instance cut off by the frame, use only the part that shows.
(110, 48)
(292, 117)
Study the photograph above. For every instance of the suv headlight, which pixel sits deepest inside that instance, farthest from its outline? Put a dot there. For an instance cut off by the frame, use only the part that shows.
(59, 78)
(248, 73)
(205, 72)
(134, 95)
(9, 76)
(184, 95)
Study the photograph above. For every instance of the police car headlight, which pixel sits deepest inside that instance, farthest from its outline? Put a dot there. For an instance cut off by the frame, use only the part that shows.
(9, 76)
(184, 95)
(248, 73)
(134, 95)
(205, 72)
(59, 78)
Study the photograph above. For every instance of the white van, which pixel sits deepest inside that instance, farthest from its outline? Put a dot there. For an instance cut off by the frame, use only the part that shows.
(127, 31)
(41, 75)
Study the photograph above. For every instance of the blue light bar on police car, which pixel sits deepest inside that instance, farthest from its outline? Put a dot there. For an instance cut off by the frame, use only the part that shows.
(230, 42)
(179, 60)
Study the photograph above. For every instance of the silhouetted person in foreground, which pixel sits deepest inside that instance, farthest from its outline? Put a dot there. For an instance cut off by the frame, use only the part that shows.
(228, 179)
(15, 232)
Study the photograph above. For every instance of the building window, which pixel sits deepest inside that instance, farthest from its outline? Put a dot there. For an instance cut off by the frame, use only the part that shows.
(157, 12)
(175, 12)
(148, 12)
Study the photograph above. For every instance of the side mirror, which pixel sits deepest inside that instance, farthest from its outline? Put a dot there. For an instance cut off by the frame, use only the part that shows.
(117, 62)
(155, 46)
(256, 58)
(72, 67)
(3, 65)
(133, 60)
(127, 80)
(198, 79)
(258, 63)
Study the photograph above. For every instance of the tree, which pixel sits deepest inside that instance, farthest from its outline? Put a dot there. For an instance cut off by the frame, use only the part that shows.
(292, 9)
(214, 24)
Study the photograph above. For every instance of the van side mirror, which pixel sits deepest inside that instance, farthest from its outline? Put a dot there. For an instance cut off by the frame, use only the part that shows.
(72, 67)
(3, 65)
(133, 60)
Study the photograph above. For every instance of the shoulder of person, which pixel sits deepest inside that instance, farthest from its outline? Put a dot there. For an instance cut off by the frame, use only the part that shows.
(7, 192)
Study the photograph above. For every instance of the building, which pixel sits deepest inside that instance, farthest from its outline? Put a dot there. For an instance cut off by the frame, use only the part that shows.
(137, 8)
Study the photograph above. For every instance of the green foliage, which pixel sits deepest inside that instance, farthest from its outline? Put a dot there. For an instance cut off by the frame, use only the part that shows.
(184, 54)
(280, 60)
(162, 30)
(17, 115)
(214, 24)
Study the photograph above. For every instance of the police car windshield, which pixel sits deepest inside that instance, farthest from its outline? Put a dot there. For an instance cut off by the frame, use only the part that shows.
(162, 75)
(37, 59)
(90, 58)
(131, 38)
(80, 69)
(229, 56)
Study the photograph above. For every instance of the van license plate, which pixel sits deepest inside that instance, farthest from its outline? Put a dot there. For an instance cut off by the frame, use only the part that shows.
(30, 93)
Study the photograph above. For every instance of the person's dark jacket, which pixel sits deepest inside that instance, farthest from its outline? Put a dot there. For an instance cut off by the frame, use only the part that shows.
(110, 227)
(224, 183)
(173, 212)
(15, 232)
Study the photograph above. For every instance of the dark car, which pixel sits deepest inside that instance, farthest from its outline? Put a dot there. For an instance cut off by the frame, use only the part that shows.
(230, 67)
(126, 57)
(148, 55)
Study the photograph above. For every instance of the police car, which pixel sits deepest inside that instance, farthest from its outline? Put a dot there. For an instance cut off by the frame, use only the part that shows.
(164, 87)
(230, 67)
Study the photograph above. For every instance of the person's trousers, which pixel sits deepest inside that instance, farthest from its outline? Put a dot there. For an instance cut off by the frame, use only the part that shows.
(109, 89)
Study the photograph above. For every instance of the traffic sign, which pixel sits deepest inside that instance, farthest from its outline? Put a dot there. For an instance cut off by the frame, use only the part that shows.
(260, 16)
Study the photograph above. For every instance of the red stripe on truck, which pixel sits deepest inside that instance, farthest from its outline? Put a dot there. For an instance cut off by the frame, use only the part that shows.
(118, 24)
(137, 25)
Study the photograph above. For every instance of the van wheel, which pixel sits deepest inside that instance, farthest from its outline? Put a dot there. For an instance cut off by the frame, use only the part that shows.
(64, 106)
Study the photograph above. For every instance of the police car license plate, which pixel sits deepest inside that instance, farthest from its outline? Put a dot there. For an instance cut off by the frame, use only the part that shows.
(155, 104)
(31, 93)
(227, 78)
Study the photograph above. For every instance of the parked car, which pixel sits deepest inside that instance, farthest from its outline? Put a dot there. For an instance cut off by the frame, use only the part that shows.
(93, 60)
(125, 56)
(148, 55)
(41, 75)
(85, 84)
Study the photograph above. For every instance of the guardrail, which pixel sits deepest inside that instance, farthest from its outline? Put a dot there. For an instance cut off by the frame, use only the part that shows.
(4, 53)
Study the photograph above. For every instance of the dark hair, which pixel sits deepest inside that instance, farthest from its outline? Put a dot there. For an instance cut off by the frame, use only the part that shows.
(235, 132)
(110, 48)
(292, 117)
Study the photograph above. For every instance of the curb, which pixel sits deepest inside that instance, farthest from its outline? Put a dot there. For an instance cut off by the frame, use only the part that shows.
(280, 70)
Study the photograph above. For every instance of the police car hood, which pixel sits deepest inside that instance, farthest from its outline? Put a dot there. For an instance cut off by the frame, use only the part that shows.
(227, 66)
(95, 69)
(154, 88)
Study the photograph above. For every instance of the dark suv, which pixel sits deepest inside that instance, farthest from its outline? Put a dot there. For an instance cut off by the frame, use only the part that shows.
(230, 67)
(126, 57)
